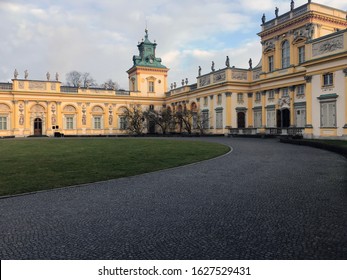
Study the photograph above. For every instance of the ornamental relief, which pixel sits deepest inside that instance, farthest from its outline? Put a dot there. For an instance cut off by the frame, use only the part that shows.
(238, 75)
(219, 77)
(69, 108)
(98, 109)
(327, 46)
(256, 75)
(284, 102)
(37, 109)
(21, 84)
(204, 81)
(4, 107)
(37, 85)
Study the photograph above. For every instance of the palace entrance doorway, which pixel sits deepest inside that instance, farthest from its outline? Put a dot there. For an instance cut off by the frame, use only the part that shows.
(38, 127)
(283, 118)
(241, 120)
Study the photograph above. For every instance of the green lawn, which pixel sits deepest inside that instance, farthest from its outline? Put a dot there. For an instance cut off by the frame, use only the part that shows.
(38, 164)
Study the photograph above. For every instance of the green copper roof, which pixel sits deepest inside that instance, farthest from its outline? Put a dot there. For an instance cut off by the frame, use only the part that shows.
(146, 55)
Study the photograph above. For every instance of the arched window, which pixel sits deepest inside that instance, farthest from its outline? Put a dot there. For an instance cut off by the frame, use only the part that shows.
(285, 54)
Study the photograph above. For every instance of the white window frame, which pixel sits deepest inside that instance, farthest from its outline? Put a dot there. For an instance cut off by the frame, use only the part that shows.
(205, 119)
(97, 122)
(151, 86)
(271, 63)
(219, 119)
(123, 123)
(257, 117)
(285, 54)
(328, 114)
(4, 123)
(328, 79)
(301, 54)
(300, 90)
(300, 117)
(271, 118)
(69, 122)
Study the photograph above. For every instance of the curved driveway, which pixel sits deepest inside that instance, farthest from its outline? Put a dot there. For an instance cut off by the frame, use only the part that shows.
(265, 200)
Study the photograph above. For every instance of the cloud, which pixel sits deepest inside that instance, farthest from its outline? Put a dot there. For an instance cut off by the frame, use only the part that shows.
(101, 36)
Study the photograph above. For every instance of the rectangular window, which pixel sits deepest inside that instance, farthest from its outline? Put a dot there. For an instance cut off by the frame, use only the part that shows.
(271, 119)
(219, 119)
(300, 117)
(219, 99)
(328, 79)
(69, 122)
(271, 63)
(151, 86)
(271, 94)
(240, 97)
(328, 114)
(300, 90)
(257, 119)
(301, 51)
(257, 96)
(205, 101)
(97, 122)
(205, 120)
(3, 123)
(285, 92)
(123, 123)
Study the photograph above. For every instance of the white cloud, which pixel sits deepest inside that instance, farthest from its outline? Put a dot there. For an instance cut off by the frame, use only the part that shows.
(101, 36)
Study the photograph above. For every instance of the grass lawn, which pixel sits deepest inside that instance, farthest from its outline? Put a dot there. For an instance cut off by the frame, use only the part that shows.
(339, 143)
(38, 164)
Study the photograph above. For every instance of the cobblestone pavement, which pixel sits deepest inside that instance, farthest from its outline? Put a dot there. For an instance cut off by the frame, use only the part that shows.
(265, 200)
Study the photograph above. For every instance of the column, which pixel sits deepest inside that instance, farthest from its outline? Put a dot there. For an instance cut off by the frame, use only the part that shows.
(263, 110)
(14, 118)
(308, 127)
(228, 111)
(345, 126)
(212, 112)
(26, 118)
(292, 111)
(59, 117)
(250, 110)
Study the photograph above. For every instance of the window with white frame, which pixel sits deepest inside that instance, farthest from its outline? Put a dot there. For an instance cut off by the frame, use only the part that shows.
(271, 63)
(69, 122)
(271, 118)
(240, 97)
(219, 119)
(205, 119)
(271, 94)
(300, 90)
(285, 92)
(3, 123)
(328, 114)
(301, 53)
(219, 99)
(257, 96)
(205, 101)
(328, 79)
(123, 123)
(300, 117)
(150, 86)
(97, 122)
(257, 118)
(285, 54)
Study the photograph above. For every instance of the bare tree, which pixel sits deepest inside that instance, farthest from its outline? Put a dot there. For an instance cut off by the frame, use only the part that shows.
(110, 84)
(184, 120)
(163, 118)
(77, 79)
(135, 119)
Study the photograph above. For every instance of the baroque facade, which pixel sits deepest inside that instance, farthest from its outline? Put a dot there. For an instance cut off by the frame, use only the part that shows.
(299, 87)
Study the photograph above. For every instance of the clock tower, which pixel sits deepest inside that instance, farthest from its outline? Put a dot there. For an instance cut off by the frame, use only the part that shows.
(148, 76)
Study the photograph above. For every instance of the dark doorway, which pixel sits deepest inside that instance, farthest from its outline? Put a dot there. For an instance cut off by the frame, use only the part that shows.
(283, 118)
(241, 120)
(37, 127)
(151, 127)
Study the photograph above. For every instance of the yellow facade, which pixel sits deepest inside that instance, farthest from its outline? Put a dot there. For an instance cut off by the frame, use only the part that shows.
(298, 87)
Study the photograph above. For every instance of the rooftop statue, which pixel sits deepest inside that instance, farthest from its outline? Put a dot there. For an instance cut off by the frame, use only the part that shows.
(15, 73)
(276, 11)
(263, 19)
(227, 62)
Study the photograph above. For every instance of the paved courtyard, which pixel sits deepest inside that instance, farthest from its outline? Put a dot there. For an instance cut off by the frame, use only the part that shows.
(265, 200)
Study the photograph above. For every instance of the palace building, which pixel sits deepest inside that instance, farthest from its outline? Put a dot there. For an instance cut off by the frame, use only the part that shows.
(298, 88)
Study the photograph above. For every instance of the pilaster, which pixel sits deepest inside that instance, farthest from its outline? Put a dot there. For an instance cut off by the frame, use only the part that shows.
(212, 113)
(263, 110)
(291, 95)
(309, 127)
(228, 110)
(250, 109)
(345, 126)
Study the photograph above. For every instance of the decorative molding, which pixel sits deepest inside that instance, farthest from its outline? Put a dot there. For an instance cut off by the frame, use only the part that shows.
(228, 94)
(219, 77)
(37, 85)
(239, 75)
(327, 46)
(308, 79)
(204, 81)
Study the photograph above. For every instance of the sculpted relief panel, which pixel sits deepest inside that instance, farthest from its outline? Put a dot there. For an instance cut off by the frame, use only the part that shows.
(327, 46)
(219, 77)
(204, 81)
(239, 75)
(37, 85)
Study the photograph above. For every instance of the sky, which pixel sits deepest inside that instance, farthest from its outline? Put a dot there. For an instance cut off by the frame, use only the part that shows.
(101, 36)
